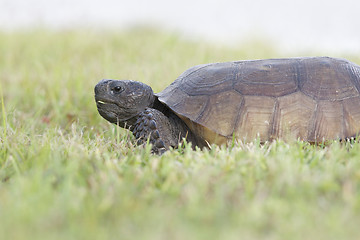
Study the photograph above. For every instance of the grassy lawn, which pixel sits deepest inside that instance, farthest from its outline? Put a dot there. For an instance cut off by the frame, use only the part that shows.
(66, 173)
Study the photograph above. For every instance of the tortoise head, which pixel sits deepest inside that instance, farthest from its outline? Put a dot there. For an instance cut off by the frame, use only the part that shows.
(120, 101)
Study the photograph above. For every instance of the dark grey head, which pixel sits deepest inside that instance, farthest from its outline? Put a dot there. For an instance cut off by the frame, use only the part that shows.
(120, 101)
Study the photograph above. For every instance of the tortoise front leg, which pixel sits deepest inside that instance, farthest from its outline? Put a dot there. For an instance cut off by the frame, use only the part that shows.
(155, 126)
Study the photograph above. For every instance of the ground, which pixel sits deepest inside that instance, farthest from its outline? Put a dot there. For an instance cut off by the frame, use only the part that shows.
(66, 173)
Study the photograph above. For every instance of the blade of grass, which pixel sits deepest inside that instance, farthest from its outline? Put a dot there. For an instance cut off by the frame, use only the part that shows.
(3, 114)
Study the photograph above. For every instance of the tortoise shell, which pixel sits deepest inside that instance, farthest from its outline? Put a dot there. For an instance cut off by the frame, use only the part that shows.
(311, 99)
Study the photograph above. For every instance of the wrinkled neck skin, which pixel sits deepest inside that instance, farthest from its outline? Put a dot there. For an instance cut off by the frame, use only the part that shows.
(117, 118)
(128, 124)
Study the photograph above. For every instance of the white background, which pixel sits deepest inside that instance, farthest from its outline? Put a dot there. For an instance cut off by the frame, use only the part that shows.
(329, 26)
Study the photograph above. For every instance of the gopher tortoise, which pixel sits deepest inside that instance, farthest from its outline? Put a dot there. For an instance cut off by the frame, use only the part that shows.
(311, 99)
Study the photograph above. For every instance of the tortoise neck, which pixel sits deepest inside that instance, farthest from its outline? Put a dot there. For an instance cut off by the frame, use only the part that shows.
(127, 124)
(156, 104)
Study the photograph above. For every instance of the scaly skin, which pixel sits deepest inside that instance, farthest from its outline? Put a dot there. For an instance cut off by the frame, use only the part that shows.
(132, 105)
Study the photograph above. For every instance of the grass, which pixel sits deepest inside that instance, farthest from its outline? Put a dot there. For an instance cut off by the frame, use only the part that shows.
(68, 174)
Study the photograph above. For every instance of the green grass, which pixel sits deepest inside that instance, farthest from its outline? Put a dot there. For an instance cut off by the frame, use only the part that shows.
(68, 174)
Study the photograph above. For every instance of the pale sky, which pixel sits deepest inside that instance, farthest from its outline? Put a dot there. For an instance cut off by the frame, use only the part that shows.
(331, 25)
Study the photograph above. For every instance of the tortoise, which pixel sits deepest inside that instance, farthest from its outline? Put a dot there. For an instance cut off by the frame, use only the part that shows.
(312, 99)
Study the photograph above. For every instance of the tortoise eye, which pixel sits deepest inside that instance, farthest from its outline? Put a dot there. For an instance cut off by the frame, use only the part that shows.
(117, 89)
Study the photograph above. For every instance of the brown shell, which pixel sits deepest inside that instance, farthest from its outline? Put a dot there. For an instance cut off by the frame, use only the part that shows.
(311, 99)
